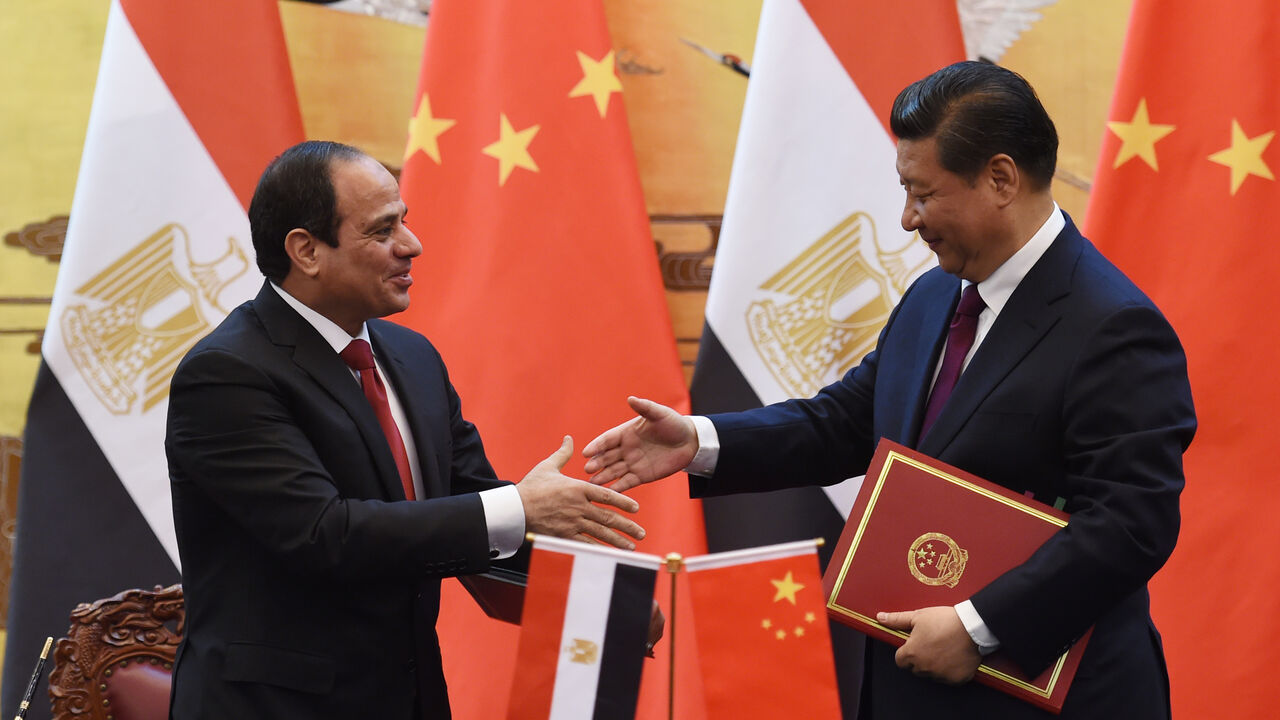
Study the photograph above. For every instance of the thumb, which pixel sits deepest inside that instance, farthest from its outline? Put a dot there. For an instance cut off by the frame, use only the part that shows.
(562, 454)
(647, 409)
(897, 620)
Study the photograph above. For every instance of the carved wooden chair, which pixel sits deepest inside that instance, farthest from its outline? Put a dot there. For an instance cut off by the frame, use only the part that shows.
(116, 662)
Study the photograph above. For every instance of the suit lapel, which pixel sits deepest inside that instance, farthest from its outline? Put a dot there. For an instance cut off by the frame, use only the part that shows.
(414, 398)
(315, 357)
(1032, 311)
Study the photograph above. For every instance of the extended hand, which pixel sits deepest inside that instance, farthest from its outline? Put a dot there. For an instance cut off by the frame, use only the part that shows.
(938, 647)
(650, 447)
(555, 504)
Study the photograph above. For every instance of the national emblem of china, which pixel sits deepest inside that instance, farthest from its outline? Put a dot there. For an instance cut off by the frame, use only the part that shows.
(142, 313)
(841, 289)
(936, 559)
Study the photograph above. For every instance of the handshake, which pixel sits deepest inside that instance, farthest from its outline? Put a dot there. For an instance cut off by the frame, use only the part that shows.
(656, 443)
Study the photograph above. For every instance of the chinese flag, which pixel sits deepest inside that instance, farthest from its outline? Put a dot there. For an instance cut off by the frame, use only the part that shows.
(1186, 203)
(539, 279)
(761, 627)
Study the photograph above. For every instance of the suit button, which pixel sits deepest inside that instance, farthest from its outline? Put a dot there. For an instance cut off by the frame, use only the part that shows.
(411, 665)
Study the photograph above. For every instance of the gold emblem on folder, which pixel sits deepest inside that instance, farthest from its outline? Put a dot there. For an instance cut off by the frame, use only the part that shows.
(143, 313)
(843, 287)
(583, 651)
(936, 559)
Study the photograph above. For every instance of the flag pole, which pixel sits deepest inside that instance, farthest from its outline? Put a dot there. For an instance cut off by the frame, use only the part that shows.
(674, 563)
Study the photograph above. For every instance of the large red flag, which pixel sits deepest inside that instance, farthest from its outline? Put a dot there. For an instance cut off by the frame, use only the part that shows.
(539, 279)
(1186, 203)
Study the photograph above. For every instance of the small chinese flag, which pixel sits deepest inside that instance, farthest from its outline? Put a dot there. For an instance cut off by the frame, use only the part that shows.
(1186, 202)
(761, 630)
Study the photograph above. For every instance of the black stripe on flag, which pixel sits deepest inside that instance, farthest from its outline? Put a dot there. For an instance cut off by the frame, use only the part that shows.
(626, 631)
(736, 522)
(80, 537)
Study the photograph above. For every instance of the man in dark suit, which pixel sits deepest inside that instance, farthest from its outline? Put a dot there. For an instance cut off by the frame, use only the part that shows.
(1075, 388)
(312, 585)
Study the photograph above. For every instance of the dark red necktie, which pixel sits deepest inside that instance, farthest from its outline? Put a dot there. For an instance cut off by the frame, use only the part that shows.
(964, 325)
(359, 357)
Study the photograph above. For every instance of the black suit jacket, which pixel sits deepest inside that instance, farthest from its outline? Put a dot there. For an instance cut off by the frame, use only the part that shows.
(311, 585)
(1078, 391)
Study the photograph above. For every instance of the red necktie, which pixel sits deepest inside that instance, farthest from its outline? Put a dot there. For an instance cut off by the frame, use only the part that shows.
(964, 325)
(359, 357)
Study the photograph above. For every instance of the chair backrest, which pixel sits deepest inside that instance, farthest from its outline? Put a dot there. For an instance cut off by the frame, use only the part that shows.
(116, 661)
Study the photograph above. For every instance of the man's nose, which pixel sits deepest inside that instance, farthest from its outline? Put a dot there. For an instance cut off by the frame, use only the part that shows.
(409, 245)
(910, 217)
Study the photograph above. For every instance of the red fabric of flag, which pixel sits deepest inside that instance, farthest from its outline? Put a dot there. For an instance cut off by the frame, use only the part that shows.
(761, 628)
(1186, 203)
(539, 280)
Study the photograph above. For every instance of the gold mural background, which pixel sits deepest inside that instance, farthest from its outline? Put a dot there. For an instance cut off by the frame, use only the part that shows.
(356, 78)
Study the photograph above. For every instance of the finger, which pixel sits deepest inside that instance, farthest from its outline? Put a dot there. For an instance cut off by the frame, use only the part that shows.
(602, 459)
(613, 521)
(562, 454)
(896, 620)
(606, 440)
(626, 482)
(606, 536)
(605, 496)
(648, 409)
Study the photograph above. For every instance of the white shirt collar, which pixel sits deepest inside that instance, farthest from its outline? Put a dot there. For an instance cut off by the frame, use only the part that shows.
(999, 286)
(337, 338)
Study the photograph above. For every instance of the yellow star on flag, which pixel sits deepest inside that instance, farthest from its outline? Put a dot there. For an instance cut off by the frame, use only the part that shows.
(787, 588)
(598, 80)
(425, 130)
(1138, 137)
(512, 148)
(1244, 157)
(766, 624)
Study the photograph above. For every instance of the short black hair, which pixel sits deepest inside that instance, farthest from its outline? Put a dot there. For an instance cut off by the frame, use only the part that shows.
(976, 110)
(295, 191)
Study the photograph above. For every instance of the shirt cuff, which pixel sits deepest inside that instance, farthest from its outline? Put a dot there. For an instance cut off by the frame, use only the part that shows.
(977, 629)
(704, 461)
(504, 516)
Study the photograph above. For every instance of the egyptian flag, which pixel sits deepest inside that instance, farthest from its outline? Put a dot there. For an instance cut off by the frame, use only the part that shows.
(192, 101)
(760, 621)
(539, 280)
(1186, 202)
(583, 632)
(812, 255)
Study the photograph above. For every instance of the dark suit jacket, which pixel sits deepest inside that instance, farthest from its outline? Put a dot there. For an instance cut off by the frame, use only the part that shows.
(312, 586)
(1079, 390)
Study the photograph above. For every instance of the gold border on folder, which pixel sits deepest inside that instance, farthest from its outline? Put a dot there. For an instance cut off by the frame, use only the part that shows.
(893, 457)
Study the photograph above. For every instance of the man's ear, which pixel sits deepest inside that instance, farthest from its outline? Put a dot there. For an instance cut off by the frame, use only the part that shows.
(303, 250)
(1002, 173)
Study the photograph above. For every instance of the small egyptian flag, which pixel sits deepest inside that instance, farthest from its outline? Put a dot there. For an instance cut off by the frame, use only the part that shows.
(583, 632)
(761, 630)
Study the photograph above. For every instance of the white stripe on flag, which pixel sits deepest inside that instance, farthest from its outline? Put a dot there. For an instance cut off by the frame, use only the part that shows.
(751, 555)
(811, 152)
(143, 168)
(586, 614)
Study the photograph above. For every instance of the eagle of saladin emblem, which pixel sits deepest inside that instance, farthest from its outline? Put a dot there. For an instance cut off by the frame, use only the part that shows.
(936, 559)
(140, 315)
(841, 289)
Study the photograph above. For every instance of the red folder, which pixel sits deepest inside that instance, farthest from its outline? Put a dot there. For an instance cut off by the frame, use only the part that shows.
(922, 533)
